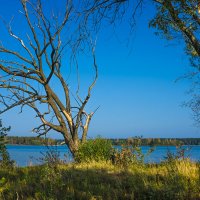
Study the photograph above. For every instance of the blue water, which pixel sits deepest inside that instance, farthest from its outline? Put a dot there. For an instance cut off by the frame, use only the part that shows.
(27, 155)
(31, 155)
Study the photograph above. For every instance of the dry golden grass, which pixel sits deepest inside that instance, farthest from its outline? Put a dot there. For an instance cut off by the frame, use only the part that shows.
(103, 180)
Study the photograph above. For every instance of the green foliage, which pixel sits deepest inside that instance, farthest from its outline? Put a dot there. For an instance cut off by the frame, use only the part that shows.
(102, 150)
(4, 155)
(178, 19)
(96, 150)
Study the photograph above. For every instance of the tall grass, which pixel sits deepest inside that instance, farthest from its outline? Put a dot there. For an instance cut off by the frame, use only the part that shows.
(179, 179)
(103, 173)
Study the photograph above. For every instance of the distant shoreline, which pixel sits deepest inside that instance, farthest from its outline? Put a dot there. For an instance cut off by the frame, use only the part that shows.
(36, 141)
(32, 145)
(113, 145)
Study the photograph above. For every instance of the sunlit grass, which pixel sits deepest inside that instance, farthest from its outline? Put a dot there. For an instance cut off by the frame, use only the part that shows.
(103, 180)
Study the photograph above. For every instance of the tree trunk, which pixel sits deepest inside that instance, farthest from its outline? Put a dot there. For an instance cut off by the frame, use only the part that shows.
(73, 146)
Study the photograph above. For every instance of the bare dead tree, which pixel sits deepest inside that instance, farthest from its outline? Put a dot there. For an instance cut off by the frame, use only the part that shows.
(27, 75)
(21, 75)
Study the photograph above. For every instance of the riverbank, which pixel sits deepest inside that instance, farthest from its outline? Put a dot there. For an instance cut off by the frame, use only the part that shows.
(102, 180)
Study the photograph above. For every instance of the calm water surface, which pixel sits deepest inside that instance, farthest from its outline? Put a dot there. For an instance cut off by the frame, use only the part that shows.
(31, 155)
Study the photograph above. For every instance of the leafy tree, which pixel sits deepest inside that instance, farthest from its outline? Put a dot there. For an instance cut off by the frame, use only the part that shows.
(180, 20)
(4, 155)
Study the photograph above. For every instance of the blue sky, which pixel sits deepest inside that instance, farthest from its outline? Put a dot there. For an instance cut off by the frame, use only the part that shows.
(136, 89)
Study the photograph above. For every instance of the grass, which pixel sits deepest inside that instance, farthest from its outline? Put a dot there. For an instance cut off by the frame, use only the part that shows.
(102, 180)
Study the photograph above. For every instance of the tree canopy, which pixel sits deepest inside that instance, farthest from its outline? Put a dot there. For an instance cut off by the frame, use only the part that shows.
(180, 20)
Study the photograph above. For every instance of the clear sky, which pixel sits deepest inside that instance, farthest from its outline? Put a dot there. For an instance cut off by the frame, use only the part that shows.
(136, 89)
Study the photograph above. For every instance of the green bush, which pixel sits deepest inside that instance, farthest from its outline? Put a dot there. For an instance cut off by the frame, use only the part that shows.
(98, 149)
(5, 160)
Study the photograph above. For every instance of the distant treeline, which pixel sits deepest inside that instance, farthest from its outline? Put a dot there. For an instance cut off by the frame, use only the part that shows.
(30, 140)
(157, 141)
(128, 141)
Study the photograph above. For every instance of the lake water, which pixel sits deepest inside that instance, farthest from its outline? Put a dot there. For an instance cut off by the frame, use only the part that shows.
(25, 155)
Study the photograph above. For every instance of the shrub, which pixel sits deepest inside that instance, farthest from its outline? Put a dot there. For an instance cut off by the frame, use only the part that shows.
(4, 155)
(98, 149)
(182, 153)
(51, 157)
(123, 157)
(130, 154)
